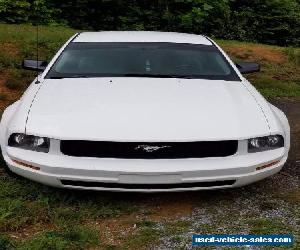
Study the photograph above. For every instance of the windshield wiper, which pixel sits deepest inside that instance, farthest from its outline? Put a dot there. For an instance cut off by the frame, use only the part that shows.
(71, 76)
(158, 76)
(124, 75)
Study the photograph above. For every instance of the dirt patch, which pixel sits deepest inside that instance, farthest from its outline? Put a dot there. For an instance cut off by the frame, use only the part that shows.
(295, 196)
(31, 231)
(10, 49)
(8, 95)
(256, 53)
(154, 208)
(114, 230)
(168, 207)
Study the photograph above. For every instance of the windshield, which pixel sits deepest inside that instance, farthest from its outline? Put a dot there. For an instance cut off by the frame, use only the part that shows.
(142, 60)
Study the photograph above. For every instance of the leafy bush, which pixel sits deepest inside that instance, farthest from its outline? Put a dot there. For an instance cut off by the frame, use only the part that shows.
(14, 11)
(23, 11)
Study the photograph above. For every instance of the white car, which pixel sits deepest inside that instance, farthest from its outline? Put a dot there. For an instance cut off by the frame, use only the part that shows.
(143, 112)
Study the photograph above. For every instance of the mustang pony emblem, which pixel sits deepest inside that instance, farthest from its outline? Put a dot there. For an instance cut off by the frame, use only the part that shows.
(149, 148)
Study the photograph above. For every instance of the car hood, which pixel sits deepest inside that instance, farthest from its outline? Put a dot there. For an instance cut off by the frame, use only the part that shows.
(145, 109)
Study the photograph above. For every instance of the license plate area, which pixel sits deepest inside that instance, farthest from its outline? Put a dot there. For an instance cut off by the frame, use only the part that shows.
(149, 179)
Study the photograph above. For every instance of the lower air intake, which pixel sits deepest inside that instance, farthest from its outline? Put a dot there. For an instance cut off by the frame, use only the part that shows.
(147, 186)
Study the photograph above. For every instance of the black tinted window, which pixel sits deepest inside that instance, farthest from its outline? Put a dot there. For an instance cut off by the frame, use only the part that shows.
(142, 59)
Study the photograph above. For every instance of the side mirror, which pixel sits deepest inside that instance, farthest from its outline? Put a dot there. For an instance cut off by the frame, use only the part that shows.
(248, 67)
(34, 65)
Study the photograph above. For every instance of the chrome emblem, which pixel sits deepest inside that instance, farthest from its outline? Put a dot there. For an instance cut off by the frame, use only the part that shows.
(149, 149)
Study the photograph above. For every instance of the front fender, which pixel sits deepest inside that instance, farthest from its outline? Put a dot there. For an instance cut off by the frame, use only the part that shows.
(4, 123)
(282, 119)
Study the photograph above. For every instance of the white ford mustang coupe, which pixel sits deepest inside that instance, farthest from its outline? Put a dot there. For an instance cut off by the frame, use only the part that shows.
(143, 112)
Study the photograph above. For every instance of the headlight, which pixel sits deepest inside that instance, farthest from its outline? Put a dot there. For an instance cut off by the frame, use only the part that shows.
(29, 142)
(265, 143)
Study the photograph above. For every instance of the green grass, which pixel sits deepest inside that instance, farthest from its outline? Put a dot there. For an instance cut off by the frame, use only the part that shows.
(71, 238)
(23, 198)
(19, 42)
(293, 55)
(5, 242)
(148, 234)
(25, 204)
(280, 67)
(268, 226)
(23, 37)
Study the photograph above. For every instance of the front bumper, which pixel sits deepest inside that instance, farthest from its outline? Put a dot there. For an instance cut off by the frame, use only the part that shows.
(145, 175)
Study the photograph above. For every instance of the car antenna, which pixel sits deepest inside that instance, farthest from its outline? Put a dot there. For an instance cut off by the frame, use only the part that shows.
(37, 41)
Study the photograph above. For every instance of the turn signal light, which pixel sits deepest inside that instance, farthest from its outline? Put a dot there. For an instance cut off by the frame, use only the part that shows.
(26, 165)
(267, 166)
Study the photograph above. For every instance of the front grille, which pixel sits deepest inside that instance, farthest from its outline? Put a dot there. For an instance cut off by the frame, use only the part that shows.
(95, 184)
(148, 150)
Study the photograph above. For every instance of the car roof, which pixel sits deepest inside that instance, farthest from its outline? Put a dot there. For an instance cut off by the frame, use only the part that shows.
(141, 36)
